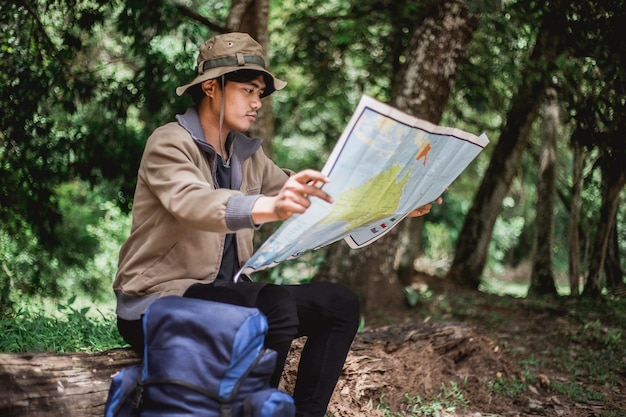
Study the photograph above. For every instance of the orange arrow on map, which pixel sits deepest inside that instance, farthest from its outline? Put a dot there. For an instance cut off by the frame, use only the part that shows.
(423, 152)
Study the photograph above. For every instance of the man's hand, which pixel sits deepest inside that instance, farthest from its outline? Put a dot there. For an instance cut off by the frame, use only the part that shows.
(292, 199)
(425, 209)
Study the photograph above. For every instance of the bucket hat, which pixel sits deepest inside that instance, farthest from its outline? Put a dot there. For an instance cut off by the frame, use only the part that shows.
(231, 52)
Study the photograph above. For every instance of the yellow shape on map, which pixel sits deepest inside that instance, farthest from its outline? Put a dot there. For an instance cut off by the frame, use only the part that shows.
(379, 197)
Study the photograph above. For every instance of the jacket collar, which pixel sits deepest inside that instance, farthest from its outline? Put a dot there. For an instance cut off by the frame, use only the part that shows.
(242, 146)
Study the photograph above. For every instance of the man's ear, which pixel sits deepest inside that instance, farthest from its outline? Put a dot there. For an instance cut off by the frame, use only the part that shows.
(208, 87)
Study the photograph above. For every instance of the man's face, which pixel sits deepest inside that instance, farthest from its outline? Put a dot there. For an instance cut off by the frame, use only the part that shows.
(242, 101)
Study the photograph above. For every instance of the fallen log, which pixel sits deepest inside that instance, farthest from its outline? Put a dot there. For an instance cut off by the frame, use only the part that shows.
(58, 384)
(388, 361)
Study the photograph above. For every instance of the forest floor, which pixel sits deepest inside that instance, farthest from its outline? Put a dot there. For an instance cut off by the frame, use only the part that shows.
(530, 357)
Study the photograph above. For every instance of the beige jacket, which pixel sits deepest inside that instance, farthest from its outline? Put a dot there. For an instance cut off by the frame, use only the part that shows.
(179, 218)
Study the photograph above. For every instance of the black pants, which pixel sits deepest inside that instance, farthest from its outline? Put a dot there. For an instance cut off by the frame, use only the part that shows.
(328, 314)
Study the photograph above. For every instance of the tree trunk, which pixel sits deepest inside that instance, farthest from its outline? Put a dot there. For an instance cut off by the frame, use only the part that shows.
(409, 249)
(578, 164)
(421, 87)
(613, 181)
(612, 267)
(367, 271)
(473, 242)
(252, 17)
(542, 278)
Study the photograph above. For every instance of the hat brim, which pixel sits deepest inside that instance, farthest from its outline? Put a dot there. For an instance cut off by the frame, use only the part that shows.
(276, 84)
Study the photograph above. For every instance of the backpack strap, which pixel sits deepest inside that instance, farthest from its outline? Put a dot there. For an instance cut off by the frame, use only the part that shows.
(247, 407)
(226, 410)
(137, 400)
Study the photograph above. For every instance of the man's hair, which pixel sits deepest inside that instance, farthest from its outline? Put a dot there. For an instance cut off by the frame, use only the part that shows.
(241, 76)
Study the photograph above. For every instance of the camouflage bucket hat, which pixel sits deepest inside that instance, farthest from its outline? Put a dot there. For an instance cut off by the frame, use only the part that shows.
(228, 53)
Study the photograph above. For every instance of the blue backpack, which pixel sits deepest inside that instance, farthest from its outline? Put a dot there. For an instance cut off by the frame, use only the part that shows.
(201, 358)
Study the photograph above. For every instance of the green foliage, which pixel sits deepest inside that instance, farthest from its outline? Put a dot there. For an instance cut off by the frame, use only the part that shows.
(76, 245)
(438, 236)
(38, 82)
(85, 260)
(331, 54)
(73, 330)
(505, 236)
(594, 333)
(83, 83)
(511, 387)
(296, 271)
(577, 391)
(448, 400)
(487, 80)
(21, 267)
(415, 295)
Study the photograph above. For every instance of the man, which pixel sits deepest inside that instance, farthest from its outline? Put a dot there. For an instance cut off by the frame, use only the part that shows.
(203, 187)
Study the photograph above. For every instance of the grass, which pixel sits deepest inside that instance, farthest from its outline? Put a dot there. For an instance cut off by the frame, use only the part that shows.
(570, 346)
(588, 353)
(446, 402)
(71, 328)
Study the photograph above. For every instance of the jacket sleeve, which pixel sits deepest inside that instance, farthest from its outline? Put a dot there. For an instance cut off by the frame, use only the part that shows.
(262, 177)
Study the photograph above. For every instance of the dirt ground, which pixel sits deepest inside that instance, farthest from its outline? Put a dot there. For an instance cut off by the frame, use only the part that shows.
(417, 350)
